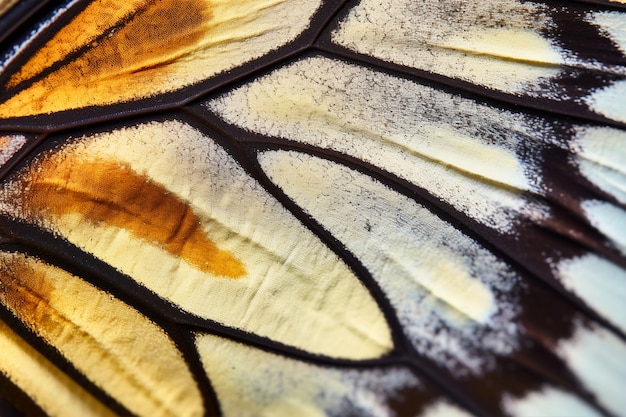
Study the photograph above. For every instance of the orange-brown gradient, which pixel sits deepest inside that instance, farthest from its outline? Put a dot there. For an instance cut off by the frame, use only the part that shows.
(112, 40)
(112, 193)
(103, 337)
(97, 18)
(25, 291)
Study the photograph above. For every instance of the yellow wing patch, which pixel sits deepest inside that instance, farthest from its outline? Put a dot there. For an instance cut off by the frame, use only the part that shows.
(49, 388)
(115, 51)
(117, 348)
(149, 217)
(105, 191)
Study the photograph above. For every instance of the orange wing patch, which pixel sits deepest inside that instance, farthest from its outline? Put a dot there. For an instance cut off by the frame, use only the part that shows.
(108, 53)
(115, 51)
(111, 343)
(110, 192)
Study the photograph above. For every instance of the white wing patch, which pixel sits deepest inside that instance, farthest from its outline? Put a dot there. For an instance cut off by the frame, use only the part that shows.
(613, 24)
(596, 357)
(598, 282)
(600, 155)
(548, 402)
(608, 219)
(609, 101)
(443, 408)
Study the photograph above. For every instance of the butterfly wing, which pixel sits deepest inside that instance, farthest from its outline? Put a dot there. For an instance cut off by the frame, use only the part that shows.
(303, 207)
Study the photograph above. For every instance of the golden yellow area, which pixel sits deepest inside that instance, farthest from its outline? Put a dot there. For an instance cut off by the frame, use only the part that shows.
(156, 32)
(110, 192)
(296, 291)
(116, 50)
(51, 389)
(113, 345)
(98, 17)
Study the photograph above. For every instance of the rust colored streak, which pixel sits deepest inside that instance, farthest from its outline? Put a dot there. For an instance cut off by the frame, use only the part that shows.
(112, 193)
(154, 34)
(160, 34)
(26, 292)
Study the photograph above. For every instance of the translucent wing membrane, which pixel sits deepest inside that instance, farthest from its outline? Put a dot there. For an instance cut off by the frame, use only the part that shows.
(341, 208)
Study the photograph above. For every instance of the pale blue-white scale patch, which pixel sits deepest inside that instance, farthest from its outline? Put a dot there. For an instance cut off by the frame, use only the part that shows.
(552, 403)
(609, 219)
(598, 282)
(42, 26)
(452, 296)
(613, 25)
(596, 357)
(609, 101)
(600, 155)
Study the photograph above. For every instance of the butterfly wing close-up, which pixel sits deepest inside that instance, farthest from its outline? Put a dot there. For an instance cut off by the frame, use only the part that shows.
(313, 208)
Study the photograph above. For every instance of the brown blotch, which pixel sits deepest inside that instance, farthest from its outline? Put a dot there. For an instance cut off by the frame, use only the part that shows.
(151, 39)
(112, 193)
(26, 291)
(153, 35)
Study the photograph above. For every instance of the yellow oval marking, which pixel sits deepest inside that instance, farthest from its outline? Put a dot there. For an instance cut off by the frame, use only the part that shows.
(111, 192)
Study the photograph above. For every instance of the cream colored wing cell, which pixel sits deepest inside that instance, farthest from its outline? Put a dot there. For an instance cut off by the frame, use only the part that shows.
(525, 49)
(197, 230)
(115, 51)
(460, 305)
(294, 388)
(498, 44)
(117, 348)
(489, 163)
(49, 388)
(461, 151)
(450, 294)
